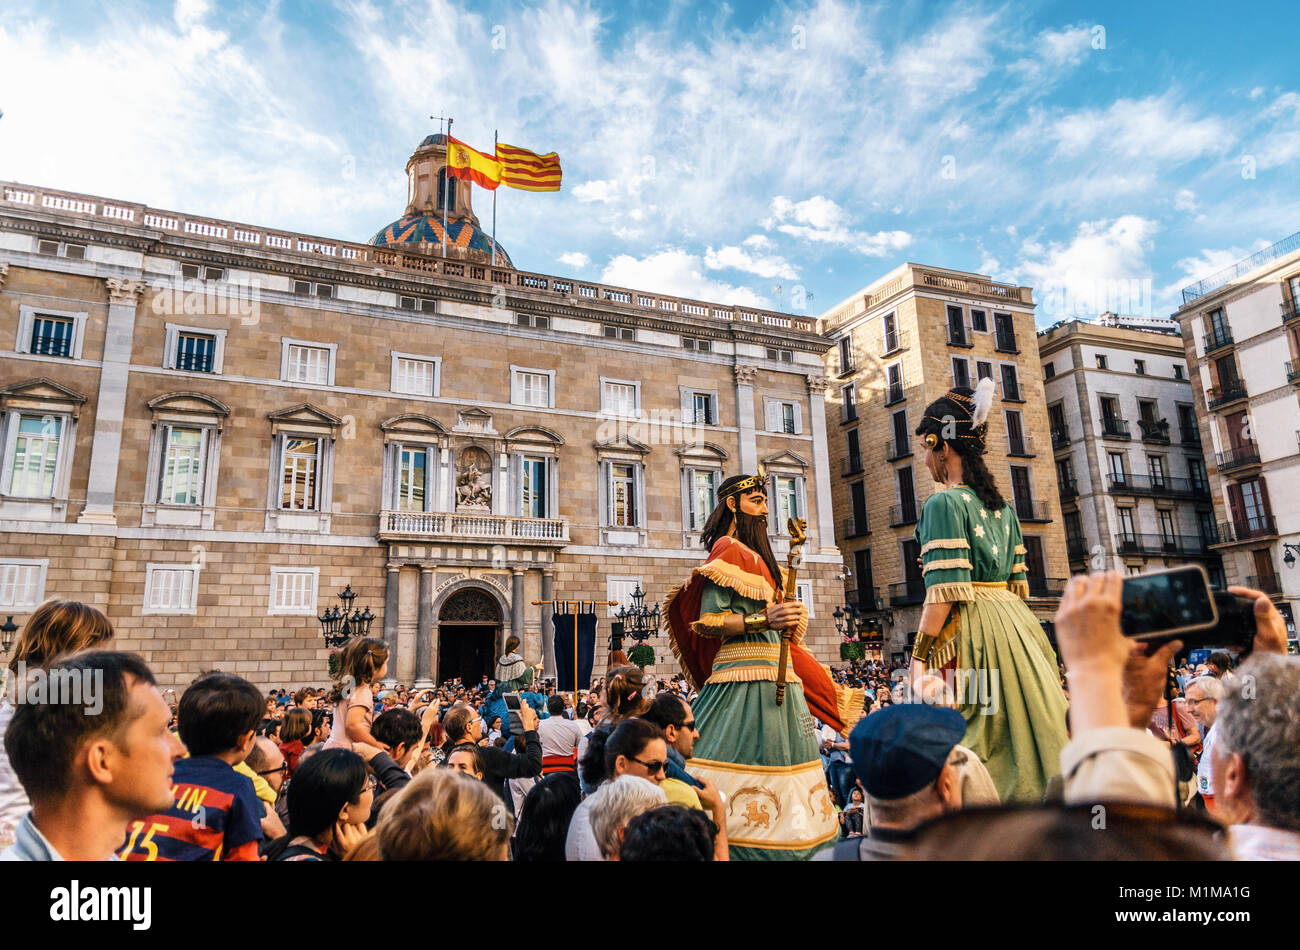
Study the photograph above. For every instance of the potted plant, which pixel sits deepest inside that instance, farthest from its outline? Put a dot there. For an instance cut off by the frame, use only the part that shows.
(852, 647)
(334, 663)
(643, 654)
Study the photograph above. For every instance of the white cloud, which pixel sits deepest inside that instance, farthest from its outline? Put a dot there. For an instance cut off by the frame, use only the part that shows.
(603, 191)
(575, 259)
(679, 273)
(737, 258)
(949, 60)
(759, 242)
(1185, 200)
(1055, 51)
(1102, 267)
(821, 221)
(1152, 130)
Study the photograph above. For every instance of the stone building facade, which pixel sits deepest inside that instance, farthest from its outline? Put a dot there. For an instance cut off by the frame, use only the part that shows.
(1241, 335)
(1127, 442)
(899, 344)
(210, 428)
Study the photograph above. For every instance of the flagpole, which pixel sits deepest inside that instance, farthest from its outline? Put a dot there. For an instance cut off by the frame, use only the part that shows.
(494, 204)
(446, 186)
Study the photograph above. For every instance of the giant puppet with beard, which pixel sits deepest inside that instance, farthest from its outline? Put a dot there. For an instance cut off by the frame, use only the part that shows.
(726, 623)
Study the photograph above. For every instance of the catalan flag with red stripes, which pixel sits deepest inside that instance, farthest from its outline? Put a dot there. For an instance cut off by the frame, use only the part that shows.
(527, 170)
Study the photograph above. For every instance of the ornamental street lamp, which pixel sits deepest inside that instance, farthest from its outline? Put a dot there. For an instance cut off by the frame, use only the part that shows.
(1289, 553)
(7, 631)
(339, 625)
(639, 622)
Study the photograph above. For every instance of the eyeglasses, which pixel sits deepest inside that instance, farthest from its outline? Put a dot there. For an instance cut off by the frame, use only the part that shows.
(689, 726)
(372, 783)
(654, 768)
(284, 767)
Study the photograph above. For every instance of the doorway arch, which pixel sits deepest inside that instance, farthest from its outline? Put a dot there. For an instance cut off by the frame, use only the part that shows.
(470, 620)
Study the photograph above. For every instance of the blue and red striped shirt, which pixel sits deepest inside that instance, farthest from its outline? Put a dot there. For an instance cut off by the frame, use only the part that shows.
(215, 816)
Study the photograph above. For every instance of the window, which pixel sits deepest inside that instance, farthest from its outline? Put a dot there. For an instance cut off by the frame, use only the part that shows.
(894, 384)
(620, 397)
(50, 332)
(892, 339)
(618, 333)
(697, 344)
(1168, 532)
(533, 320)
(411, 491)
(52, 336)
(846, 354)
(956, 327)
(183, 466)
(803, 593)
(620, 591)
(864, 579)
(75, 252)
(532, 387)
(1156, 466)
(623, 496)
(533, 488)
(902, 443)
(783, 415)
(1118, 471)
(703, 496)
(1010, 383)
(34, 451)
(960, 371)
(855, 451)
(1073, 530)
(310, 289)
(1126, 523)
(1178, 371)
(202, 272)
(423, 304)
(194, 350)
(858, 500)
(1065, 475)
(170, 589)
(787, 501)
(414, 375)
(781, 356)
(1005, 330)
(983, 370)
(702, 408)
(1048, 370)
(299, 473)
(22, 583)
(1196, 474)
(906, 497)
(979, 321)
(1140, 367)
(304, 362)
(1020, 491)
(848, 403)
(1101, 361)
(293, 590)
(1016, 443)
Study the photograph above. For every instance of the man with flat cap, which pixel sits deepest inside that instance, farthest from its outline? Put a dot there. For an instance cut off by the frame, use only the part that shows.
(901, 757)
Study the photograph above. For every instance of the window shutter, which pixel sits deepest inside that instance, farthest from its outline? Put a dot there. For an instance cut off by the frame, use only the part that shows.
(515, 485)
(605, 496)
(1234, 502)
(688, 498)
(798, 419)
(1263, 494)
(772, 415)
(638, 507)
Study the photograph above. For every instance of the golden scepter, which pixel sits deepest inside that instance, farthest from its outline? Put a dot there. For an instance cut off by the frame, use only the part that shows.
(796, 527)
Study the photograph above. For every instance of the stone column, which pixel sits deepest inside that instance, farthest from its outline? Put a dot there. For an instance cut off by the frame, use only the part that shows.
(106, 445)
(424, 632)
(745, 376)
(548, 631)
(821, 463)
(390, 621)
(517, 606)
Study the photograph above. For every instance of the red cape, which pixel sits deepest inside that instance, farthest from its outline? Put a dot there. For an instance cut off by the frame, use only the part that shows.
(696, 653)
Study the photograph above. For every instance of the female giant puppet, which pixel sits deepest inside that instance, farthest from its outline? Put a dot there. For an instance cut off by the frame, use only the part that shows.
(725, 625)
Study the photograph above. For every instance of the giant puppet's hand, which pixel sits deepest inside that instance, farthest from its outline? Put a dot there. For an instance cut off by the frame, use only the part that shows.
(787, 614)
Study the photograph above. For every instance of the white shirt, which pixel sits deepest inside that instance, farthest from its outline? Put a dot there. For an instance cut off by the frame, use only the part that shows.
(580, 843)
(559, 736)
(1205, 770)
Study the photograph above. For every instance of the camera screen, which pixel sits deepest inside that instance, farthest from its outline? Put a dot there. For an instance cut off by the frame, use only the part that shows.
(1153, 603)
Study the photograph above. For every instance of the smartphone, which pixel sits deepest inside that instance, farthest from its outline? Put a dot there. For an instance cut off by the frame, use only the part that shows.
(513, 704)
(1168, 603)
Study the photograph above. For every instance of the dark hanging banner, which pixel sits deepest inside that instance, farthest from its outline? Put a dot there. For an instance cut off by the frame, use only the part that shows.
(564, 649)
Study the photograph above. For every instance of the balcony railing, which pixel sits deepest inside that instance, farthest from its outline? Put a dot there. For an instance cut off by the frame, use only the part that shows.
(1060, 437)
(52, 345)
(853, 465)
(856, 527)
(1290, 311)
(1006, 343)
(1165, 486)
(1022, 447)
(1232, 392)
(447, 526)
(1115, 428)
(1269, 583)
(1027, 510)
(1190, 436)
(195, 362)
(848, 412)
(957, 337)
(1154, 431)
(1076, 549)
(1239, 456)
(1069, 489)
(900, 515)
(1228, 274)
(895, 393)
(1011, 391)
(864, 599)
(1046, 586)
(1235, 532)
(897, 450)
(1217, 341)
(1167, 545)
(907, 593)
(1293, 371)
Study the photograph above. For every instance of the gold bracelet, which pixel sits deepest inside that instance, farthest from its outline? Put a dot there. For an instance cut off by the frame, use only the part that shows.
(924, 646)
(756, 622)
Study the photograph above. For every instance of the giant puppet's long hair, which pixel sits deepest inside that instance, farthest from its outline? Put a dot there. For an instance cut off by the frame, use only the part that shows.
(751, 531)
(960, 418)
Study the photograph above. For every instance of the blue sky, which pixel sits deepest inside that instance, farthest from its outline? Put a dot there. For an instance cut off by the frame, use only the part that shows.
(1104, 153)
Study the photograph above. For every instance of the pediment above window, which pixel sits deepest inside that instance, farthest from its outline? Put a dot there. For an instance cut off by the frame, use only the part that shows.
(535, 435)
(188, 405)
(703, 452)
(414, 425)
(305, 417)
(623, 445)
(41, 393)
(786, 461)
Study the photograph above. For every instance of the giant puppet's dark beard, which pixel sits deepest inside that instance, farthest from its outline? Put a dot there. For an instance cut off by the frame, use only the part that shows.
(751, 531)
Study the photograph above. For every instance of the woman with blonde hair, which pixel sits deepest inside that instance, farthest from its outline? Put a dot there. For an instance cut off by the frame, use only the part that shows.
(55, 628)
(443, 815)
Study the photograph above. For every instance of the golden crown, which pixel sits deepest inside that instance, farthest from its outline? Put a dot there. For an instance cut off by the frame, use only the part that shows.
(751, 483)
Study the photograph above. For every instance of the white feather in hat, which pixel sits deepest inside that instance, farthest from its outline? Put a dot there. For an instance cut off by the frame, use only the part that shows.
(982, 401)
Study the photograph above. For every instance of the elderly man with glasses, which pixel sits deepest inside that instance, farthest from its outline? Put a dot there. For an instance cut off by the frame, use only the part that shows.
(1203, 695)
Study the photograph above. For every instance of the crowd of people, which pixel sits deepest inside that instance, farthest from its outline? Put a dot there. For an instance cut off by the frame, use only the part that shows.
(1189, 762)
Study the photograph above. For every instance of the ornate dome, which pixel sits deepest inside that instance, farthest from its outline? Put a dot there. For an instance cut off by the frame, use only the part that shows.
(427, 228)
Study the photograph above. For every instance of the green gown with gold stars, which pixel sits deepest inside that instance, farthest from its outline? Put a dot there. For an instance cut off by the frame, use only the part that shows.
(993, 650)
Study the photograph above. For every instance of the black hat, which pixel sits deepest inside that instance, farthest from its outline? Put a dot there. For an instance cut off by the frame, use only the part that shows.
(901, 749)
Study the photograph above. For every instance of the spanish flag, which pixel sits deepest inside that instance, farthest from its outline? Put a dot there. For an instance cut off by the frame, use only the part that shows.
(469, 164)
(527, 170)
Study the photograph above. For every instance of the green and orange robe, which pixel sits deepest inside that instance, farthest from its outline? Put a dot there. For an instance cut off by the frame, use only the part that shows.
(763, 757)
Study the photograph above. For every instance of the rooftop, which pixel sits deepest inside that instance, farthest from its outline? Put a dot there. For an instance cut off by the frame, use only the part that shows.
(1243, 266)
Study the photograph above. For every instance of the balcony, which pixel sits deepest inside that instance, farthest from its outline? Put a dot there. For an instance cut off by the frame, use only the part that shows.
(895, 450)
(1269, 583)
(1046, 586)
(1161, 545)
(957, 337)
(1293, 371)
(1011, 391)
(52, 344)
(1115, 428)
(1069, 489)
(1217, 341)
(1234, 391)
(849, 412)
(1159, 486)
(1022, 447)
(434, 526)
(856, 527)
(896, 342)
(199, 362)
(1233, 532)
(894, 394)
(1239, 456)
(1190, 436)
(852, 465)
(900, 515)
(907, 594)
(1060, 437)
(1076, 549)
(1006, 342)
(1290, 312)
(864, 599)
(1034, 511)
(1155, 432)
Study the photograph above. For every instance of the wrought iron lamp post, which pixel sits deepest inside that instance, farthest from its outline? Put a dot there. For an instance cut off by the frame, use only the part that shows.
(339, 625)
(7, 631)
(640, 623)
